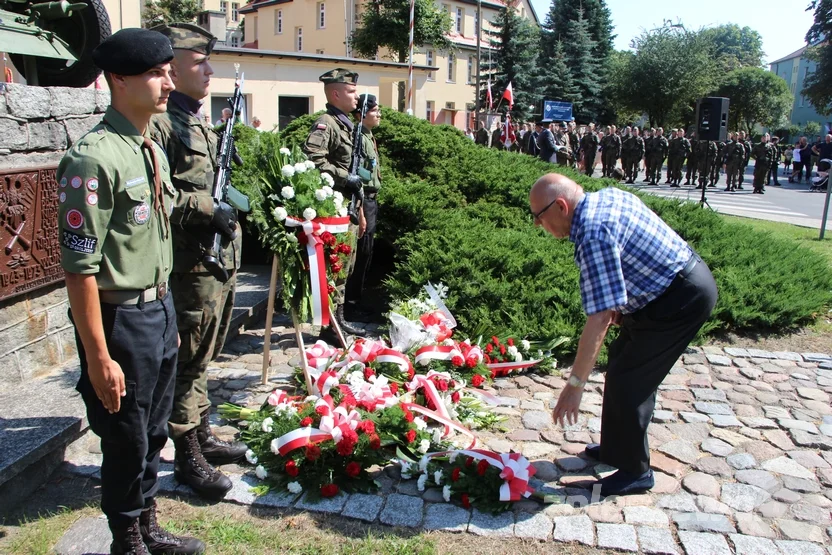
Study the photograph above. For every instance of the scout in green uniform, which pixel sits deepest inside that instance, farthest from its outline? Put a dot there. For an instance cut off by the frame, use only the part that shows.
(329, 146)
(369, 209)
(589, 149)
(115, 197)
(734, 156)
(763, 155)
(749, 146)
(692, 161)
(706, 151)
(657, 156)
(203, 303)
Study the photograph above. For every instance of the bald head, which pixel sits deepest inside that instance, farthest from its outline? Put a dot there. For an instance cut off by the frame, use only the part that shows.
(552, 201)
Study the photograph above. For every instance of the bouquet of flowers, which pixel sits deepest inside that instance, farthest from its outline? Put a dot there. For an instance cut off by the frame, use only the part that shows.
(304, 222)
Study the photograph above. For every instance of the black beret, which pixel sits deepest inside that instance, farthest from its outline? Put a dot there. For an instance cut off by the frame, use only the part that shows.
(370, 99)
(132, 51)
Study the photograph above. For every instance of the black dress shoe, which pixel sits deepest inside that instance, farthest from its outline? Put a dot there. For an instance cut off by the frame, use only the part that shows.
(626, 483)
(593, 451)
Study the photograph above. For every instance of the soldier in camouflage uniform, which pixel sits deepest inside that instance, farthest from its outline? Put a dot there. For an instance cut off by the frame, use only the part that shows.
(329, 146)
(612, 152)
(589, 149)
(746, 141)
(648, 151)
(633, 150)
(706, 154)
(716, 166)
(677, 150)
(657, 156)
(764, 156)
(574, 143)
(693, 161)
(734, 156)
(775, 166)
(203, 303)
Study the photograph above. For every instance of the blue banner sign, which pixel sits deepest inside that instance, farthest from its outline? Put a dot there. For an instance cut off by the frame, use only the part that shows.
(557, 111)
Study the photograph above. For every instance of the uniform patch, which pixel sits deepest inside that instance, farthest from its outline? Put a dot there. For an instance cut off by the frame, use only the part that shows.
(92, 199)
(62, 197)
(135, 181)
(92, 184)
(79, 243)
(74, 218)
(76, 182)
(141, 213)
(63, 181)
(320, 126)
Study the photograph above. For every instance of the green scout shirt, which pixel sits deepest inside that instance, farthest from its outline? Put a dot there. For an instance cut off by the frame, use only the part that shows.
(192, 149)
(107, 223)
(370, 161)
(329, 145)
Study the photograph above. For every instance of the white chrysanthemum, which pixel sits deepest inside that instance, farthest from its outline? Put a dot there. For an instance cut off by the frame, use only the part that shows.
(446, 493)
(448, 342)
(284, 150)
(512, 350)
(287, 192)
(309, 214)
(424, 445)
(267, 424)
(280, 213)
(251, 457)
(274, 447)
(423, 464)
(253, 425)
(338, 196)
(437, 477)
(261, 472)
(288, 170)
(320, 195)
(294, 487)
(437, 435)
(518, 358)
(309, 164)
(328, 190)
(326, 178)
(526, 345)
(291, 237)
(420, 484)
(342, 211)
(420, 423)
(300, 167)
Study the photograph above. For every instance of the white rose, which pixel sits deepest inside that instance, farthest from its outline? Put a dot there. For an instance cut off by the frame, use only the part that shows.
(446, 493)
(512, 350)
(294, 487)
(337, 195)
(261, 472)
(526, 345)
(287, 192)
(284, 150)
(288, 170)
(274, 447)
(291, 237)
(342, 212)
(309, 214)
(266, 426)
(420, 484)
(518, 358)
(424, 445)
(320, 195)
(420, 423)
(437, 477)
(328, 190)
(251, 457)
(300, 167)
(280, 213)
(309, 164)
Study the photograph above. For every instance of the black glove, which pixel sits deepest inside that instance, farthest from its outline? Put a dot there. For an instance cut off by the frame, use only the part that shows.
(353, 183)
(225, 219)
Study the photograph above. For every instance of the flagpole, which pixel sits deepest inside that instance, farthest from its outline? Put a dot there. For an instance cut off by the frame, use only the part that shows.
(479, 34)
(410, 65)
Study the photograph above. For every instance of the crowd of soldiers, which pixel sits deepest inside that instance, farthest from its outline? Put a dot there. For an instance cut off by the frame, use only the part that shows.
(624, 152)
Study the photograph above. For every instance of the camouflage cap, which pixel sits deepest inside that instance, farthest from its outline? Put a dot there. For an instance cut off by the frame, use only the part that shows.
(188, 36)
(339, 75)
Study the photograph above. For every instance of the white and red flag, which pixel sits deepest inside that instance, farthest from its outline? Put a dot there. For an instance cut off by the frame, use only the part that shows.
(508, 94)
(507, 137)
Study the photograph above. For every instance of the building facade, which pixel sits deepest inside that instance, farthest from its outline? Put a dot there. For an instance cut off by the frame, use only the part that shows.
(794, 69)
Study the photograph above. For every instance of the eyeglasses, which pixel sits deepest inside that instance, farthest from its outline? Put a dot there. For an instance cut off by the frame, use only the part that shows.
(536, 216)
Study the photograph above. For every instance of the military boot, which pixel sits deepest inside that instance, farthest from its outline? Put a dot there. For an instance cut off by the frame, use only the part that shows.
(346, 327)
(161, 542)
(215, 450)
(191, 468)
(127, 540)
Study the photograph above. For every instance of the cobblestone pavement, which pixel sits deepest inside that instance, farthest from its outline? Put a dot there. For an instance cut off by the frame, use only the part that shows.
(741, 446)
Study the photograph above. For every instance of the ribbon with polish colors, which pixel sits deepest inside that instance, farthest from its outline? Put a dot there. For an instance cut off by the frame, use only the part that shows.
(515, 470)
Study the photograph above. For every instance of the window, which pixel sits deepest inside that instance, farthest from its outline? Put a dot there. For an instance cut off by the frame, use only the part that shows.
(477, 23)
(235, 11)
(300, 38)
(357, 18)
(431, 77)
(319, 51)
(321, 15)
(802, 100)
(429, 111)
(451, 67)
(235, 41)
(278, 22)
(460, 14)
(224, 7)
(470, 69)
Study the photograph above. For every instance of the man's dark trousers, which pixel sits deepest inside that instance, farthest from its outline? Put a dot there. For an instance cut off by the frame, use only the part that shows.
(364, 254)
(650, 342)
(142, 338)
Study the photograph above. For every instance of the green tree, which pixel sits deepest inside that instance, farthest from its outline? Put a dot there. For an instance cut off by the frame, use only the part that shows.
(617, 89)
(595, 12)
(811, 129)
(735, 46)
(514, 41)
(556, 78)
(579, 48)
(385, 24)
(817, 86)
(757, 96)
(169, 11)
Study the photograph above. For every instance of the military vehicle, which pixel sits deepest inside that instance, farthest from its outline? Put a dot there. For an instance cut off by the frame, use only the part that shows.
(51, 43)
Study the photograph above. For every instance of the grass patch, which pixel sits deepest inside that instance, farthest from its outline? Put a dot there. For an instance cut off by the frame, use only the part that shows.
(38, 536)
(804, 236)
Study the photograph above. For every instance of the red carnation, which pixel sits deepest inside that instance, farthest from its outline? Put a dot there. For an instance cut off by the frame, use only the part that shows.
(344, 448)
(375, 442)
(489, 348)
(353, 469)
(493, 373)
(306, 421)
(292, 469)
(453, 383)
(394, 387)
(333, 258)
(455, 474)
(329, 490)
(465, 501)
(328, 238)
(367, 426)
(408, 416)
(482, 466)
(410, 373)
(457, 361)
(455, 397)
(471, 362)
(477, 380)
(495, 340)
(336, 267)
(313, 452)
(368, 373)
(322, 410)
(502, 349)
(510, 342)
(469, 461)
(411, 436)
(330, 289)
(442, 385)
(345, 248)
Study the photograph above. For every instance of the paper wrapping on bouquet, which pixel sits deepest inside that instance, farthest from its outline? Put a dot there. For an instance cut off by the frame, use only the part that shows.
(311, 237)
(334, 422)
(440, 304)
(515, 470)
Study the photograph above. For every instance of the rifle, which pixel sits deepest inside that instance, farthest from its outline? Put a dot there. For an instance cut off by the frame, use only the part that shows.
(222, 191)
(355, 164)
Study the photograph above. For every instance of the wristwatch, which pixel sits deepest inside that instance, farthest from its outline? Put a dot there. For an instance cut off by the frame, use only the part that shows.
(574, 381)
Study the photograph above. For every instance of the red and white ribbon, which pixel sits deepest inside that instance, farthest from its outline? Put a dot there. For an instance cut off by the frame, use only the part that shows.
(447, 422)
(432, 395)
(278, 397)
(436, 352)
(515, 470)
(334, 422)
(375, 394)
(505, 368)
(320, 355)
(312, 230)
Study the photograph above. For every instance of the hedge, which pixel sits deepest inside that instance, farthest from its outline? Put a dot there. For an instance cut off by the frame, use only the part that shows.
(458, 213)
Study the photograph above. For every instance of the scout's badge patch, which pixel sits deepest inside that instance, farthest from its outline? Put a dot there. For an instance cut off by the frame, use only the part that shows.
(141, 213)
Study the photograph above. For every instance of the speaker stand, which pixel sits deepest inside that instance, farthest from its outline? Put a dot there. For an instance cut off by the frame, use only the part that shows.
(703, 202)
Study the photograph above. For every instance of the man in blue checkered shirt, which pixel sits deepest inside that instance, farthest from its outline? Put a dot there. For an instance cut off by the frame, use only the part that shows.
(638, 273)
